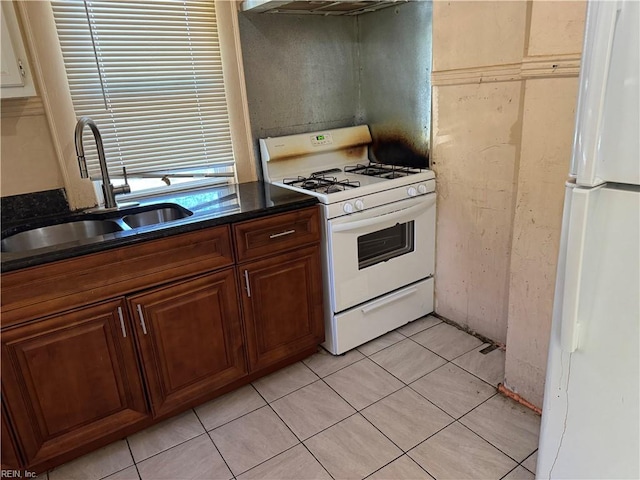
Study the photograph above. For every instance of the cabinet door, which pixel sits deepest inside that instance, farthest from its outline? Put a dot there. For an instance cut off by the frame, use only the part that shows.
(10, 459)
(70, 379)
(15, 80)
(282, 301)
(190, 339)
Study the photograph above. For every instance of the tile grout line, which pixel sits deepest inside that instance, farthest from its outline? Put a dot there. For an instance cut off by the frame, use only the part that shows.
(484, 342)
(415, 333)
(526, 458)
(451, 361)
(490, 443)
(509, 472)
(282, 396)
(405, 385)
(214, 443)
(135, 465)
(440, 408)
(405, 454)
(477, 434)
(471, 373)
(300, 442)
(441, 366)
(276, 413)
(395, 343)
(167, 449)
(409, 384)
(381, 398)
(341, 368)
(374, 426)
(356, 412)
(234, 419)
(435, 353)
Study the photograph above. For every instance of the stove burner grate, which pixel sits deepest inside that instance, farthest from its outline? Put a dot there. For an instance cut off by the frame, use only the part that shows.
(381, 170)
(318, 182)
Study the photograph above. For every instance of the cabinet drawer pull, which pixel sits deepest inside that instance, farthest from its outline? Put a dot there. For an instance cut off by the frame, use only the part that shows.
(142, 324)
(282, 234)
(246, 283)
(124, 330)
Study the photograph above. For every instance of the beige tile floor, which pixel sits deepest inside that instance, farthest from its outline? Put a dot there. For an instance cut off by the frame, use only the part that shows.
(417, 403)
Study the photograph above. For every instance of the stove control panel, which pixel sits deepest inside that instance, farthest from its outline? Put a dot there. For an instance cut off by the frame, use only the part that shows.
(421, 189)
(321, 139)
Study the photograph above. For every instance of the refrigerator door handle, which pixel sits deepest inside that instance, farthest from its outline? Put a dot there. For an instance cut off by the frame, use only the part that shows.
(570, 326)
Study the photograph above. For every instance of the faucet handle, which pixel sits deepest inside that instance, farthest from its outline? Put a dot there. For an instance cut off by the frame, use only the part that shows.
(122, 188)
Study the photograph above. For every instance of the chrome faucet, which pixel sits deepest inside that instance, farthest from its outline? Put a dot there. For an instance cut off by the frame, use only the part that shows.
(108, 190)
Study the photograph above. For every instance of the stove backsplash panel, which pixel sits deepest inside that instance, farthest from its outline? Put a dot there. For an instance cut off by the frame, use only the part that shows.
(308, 73)
(397, 149)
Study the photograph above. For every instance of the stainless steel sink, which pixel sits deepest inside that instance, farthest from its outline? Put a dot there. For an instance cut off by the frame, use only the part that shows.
(156, 215)
(58, 234)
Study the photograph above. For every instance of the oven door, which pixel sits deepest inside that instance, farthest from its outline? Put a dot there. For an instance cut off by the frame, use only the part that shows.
(379, 250)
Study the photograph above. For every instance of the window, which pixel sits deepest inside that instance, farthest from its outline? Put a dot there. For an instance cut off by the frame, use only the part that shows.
(149, 73)
(383, 245)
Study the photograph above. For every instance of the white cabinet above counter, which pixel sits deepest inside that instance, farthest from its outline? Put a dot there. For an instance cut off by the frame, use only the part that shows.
(16, 79)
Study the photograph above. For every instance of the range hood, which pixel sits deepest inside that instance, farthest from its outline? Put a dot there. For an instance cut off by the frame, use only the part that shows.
(311, 7)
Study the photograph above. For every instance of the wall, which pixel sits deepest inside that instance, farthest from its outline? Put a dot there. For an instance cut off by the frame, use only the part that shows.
(547, 133)
(301, 72)
(28, 159)
(505, 85)
(476, 143)
(395, 72)
(308, 73)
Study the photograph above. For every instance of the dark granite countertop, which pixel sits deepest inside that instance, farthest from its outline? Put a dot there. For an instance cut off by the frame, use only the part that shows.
(210, 206)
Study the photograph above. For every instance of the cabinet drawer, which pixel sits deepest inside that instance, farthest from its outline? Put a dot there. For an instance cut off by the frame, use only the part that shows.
(268, 236)
(67, 284)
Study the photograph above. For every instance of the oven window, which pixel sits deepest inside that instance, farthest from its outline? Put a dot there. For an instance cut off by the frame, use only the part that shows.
(383, 245)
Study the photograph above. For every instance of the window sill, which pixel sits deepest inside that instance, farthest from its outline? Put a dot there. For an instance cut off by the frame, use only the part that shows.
(142, 193)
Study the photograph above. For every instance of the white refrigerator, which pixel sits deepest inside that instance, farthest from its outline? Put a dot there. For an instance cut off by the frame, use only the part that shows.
(590, 416)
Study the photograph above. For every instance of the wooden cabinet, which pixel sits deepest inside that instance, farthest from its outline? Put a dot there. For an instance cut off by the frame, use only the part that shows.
(190, 339)
(100, 346)
(282, 292)
(282, 302)
(269, 236)
(70, 379)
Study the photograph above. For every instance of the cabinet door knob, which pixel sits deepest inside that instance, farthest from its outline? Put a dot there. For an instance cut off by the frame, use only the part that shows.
(142, 324)
(124, 330)
(246, 283)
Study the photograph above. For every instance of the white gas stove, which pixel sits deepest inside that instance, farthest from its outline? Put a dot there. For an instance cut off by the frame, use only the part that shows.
(334, 166)
(379, 235)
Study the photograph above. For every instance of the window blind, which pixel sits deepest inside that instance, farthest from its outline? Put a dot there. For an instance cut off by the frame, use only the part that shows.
(149, 73)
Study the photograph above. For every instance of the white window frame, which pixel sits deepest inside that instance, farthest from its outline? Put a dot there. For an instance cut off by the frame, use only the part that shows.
(41, 35)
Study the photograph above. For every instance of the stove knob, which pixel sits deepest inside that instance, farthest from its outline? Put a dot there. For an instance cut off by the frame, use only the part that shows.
(422, 189)
(359, 205)
(348, 208)
(412, 192)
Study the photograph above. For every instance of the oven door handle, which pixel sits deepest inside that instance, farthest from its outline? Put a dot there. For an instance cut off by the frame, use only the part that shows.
(397, 215)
